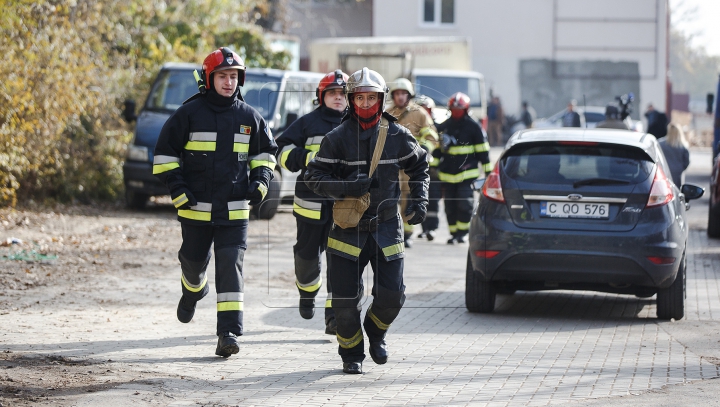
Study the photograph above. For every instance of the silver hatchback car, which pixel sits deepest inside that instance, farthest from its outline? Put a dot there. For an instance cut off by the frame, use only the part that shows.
(580, 209)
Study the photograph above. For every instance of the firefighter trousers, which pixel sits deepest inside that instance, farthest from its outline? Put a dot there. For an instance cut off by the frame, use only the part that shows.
(458, 206)
(388, 293)
(311, 243)
(230, 245)
(432, 222)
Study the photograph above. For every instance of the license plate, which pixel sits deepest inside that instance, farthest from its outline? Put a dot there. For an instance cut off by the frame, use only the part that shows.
(592, 210)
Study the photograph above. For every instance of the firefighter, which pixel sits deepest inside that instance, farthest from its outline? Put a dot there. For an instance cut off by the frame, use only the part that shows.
(216, 155)
(421, 125)
(340, 170)
(464, 146)
(297, 146)
(431, 222)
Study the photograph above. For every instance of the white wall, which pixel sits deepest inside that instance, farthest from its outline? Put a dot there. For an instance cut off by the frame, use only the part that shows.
(504, 32)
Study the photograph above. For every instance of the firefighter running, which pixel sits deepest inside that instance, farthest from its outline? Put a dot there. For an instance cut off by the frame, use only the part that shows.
(203, 155)
(297, 146)
(464, 146)
(421, 125)
(339, 171)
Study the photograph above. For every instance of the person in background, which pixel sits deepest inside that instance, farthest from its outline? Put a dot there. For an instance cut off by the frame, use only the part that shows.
(657, 122)
(431, 222)
(571, 117)
(528, 115)
(612, 119)
(677, 155)
(496, 118)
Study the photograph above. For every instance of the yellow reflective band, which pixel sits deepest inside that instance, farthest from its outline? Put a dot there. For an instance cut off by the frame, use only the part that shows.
(283, 158)
(456, 178)
(200, 145)
(189, 287)
(394, 249)
(377, 321)
(230, 306)
(434, 162)
(160, 168)
(462, 225)
(352, 342)
(309, 157)
(343, 247)
(487, 167)
(452, 228)
(310, 288)
(239, 214)
(426, 132)
(195, 215)
(429, 145)
(313, 147)
(261, 163)
(408, 227)
(241, 147)
(307, 213)
(459, 150)
(263, 190)
(482, 147)
(180, 200)
(328, 303)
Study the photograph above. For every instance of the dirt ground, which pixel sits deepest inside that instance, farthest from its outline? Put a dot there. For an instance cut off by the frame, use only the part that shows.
(47, 253)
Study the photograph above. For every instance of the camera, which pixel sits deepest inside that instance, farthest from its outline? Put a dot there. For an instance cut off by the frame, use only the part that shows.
(625, 104)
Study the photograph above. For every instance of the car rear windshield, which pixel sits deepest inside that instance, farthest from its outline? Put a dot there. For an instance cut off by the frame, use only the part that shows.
(568, 164)
(261, 92)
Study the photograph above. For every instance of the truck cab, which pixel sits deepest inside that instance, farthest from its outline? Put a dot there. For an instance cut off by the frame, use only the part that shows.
(280, 97)
(440, 84)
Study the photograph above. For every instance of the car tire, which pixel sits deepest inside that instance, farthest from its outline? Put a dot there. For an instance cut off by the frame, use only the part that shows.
(671, 300)
(135, 200)
(269, 206)
(713, 227)
(479, 294)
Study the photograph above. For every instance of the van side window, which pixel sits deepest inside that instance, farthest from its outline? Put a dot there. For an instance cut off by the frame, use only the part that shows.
(297, 99)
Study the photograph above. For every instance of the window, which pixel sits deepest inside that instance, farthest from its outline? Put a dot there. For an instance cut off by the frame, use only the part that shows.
(438, 12)
(171, 89)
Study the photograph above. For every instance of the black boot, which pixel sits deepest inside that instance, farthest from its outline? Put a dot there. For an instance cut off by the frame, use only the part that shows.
(430, 235)
(461, 238)
(227, 345)
(378, 351)
(451, 240)
(307, 307)
(352, 367)
(185, 310)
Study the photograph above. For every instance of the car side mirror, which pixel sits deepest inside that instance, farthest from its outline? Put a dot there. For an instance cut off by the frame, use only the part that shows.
(692, 191)
(477, 184)
(128, 112)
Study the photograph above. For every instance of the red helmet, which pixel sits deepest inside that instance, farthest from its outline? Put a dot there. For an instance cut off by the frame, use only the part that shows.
(333, 80)
(459, 100)
(220, 60)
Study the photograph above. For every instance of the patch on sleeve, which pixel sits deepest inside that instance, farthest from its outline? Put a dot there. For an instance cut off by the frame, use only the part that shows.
(245, 129)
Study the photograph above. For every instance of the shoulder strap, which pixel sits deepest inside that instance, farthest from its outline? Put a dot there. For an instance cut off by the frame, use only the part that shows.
(382, 135)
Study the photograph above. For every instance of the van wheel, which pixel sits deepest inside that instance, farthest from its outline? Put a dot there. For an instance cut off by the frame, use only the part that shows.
(479, 294)
(713, 228)
(269, 206)
(671, 300)
(135, 200)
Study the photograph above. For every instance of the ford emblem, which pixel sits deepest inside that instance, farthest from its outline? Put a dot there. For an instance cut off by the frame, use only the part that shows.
(574, 197)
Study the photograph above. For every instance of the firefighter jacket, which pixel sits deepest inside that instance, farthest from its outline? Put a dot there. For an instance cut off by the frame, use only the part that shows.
(346, 152)
(207, 147)
(298, 144)
(464, 145)
(420, 124)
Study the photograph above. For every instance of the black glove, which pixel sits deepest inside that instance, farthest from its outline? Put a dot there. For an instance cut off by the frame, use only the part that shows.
(417, 211)
(256, 192)
(359, 186)
(182, 198)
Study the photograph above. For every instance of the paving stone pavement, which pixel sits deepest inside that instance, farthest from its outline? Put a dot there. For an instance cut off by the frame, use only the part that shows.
(536, 349)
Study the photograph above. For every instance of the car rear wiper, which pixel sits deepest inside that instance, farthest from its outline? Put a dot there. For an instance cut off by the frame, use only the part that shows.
(600, 181)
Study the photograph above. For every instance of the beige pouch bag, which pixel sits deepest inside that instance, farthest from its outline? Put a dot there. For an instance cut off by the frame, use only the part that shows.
(347, 213)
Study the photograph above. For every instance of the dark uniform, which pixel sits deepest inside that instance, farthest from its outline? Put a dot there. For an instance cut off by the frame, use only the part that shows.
(207, 148)
(378, 239)
(297, 146)
(464, 146)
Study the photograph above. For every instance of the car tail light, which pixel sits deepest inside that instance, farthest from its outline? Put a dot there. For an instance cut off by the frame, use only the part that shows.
(486, 254)
(492, 188)
(661, 260)
(661, 192)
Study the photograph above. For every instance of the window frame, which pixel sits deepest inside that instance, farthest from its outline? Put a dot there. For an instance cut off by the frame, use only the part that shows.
(437, 22)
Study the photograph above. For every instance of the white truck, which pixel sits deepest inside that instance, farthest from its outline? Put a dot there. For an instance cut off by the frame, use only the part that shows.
(437, 66)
